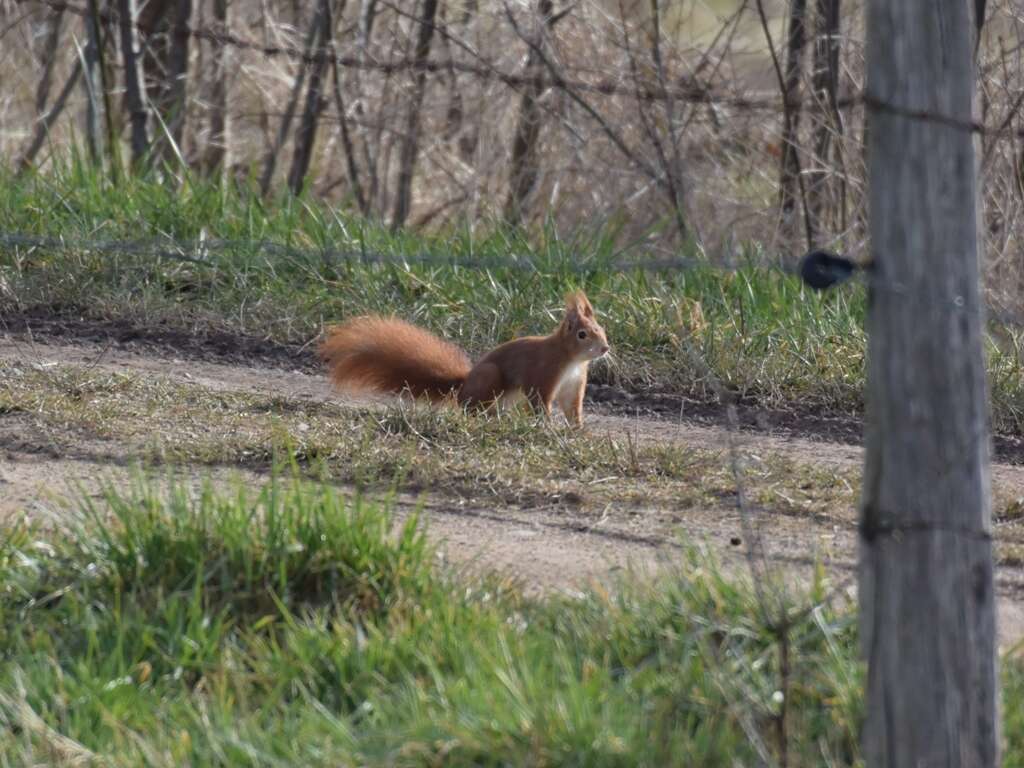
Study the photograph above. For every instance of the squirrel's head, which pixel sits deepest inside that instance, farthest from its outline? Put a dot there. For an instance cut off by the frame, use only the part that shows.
(580, 330)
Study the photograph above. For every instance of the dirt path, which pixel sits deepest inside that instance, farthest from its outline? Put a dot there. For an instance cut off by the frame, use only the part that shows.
(546, 547)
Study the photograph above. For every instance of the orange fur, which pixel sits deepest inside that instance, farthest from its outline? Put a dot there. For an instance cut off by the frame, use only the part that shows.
(390, 355)
(385, 354)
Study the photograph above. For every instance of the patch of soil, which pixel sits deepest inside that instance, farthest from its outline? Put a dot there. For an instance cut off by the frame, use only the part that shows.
(69, 327)
(846, 428)
(58, 324)
(535, 551)
(834, 427)
(548, 546)
(66, 326)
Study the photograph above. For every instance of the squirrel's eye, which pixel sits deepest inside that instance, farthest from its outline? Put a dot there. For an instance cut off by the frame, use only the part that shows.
(582, 334)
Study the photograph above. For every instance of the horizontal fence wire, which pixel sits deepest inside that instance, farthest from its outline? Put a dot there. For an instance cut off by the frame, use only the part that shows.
(203, 252)
(199, 252)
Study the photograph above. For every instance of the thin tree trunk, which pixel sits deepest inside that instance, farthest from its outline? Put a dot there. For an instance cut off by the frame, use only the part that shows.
(305, 134)
(826, 81)
(93, 86)
(50, 50)
(113, 133)
(174, 106)
(351, 165)
(133, 98)
(671, 161)
(789, 178)
(926, 591)
(153, 28)
(385, 153)
(371, 149)
(411, 139)
(216, 151)
(164, 27)
(100, 131)
(47, 121)
(524, 170)
(454, 113)
(367, 16)
(377, 147)
(270, 159)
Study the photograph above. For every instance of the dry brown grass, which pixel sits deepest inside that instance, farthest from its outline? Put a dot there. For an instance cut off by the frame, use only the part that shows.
(726, 161)
(512, 460)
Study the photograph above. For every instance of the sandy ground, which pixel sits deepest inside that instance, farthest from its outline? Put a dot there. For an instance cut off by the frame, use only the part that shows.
(544, 547)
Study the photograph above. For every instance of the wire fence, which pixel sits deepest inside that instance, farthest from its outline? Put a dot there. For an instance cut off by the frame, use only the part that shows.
(201, 251)
(629, 136)
(205, 252)
(643, 143)
(779, 612)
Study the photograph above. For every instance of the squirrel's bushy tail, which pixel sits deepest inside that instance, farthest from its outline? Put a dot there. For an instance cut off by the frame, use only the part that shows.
(384, 354)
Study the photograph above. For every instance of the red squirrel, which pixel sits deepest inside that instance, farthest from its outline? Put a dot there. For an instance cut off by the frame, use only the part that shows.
(385, 354)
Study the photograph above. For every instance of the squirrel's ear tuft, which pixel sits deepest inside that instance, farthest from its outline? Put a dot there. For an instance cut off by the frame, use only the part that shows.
(577, 302)
(585, 308)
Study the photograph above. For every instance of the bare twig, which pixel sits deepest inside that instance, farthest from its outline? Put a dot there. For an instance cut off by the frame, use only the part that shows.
(346, 138)
(485, 71)
(672, 184)
(613, 135)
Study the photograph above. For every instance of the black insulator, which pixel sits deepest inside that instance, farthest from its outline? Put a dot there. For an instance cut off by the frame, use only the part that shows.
(821, 270)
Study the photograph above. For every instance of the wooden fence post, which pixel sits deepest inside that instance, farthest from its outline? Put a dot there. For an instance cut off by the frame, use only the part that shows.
(926, 589)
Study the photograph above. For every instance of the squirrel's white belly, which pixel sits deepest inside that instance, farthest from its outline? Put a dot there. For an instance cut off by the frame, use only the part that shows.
(569, 381)
(565, 390)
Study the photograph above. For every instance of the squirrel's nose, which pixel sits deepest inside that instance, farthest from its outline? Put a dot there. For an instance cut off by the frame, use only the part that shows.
(604, 348)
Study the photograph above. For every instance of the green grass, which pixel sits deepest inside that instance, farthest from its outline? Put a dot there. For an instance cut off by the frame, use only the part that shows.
(758, 329)
(293, 628)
